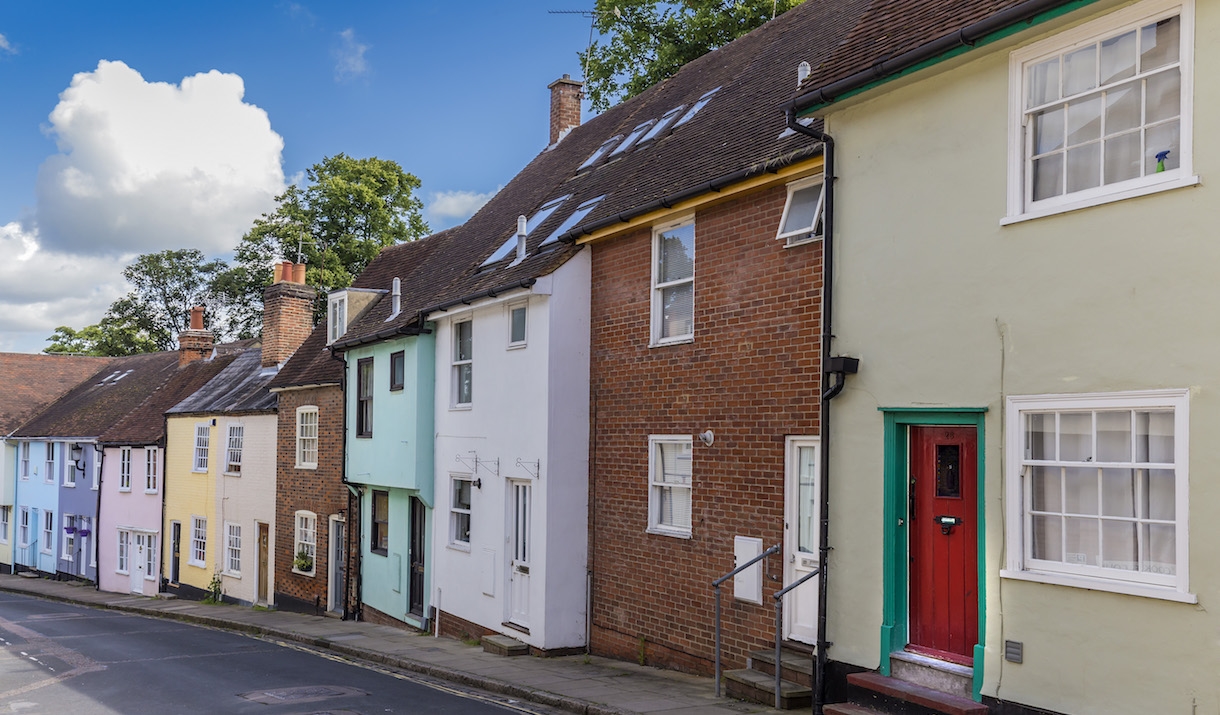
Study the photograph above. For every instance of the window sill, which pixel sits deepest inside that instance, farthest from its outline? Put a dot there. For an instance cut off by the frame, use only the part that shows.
(685, 340)
(150, 491)
(305, 466)
(1097, 584)
(668, 532)
(197, 564)
(379, 552)
(73, 486)
(122, 572)
(457, 546)
(307, 574)
(516, 346)
(231, 574)
(199, 471)
(124, 490)
(461, 408)
(1143, 190)
(232, 474)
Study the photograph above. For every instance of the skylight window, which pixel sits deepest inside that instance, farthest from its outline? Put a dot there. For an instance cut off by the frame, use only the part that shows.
(601, 151)
(632, 137)
(662, 124)
(540, 216)
(577, 216)
(707, 97)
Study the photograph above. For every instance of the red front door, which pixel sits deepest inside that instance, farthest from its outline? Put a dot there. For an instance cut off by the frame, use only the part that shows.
(944, 542)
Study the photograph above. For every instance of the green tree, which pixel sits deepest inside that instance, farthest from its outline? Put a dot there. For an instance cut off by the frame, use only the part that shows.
(348, 210)
(126, 329)
(646, 41)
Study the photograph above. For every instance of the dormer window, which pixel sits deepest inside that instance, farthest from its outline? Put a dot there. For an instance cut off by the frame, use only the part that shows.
(576, 217)
(336, 316)
(802, 219)
(540, 216)
(601, 152)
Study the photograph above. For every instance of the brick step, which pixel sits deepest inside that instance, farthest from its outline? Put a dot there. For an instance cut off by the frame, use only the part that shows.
(849, 709)
(504, 645)
(797, 666)
(898, 695)
(746, 684)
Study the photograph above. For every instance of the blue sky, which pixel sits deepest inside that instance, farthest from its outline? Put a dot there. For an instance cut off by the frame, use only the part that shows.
(134, 127)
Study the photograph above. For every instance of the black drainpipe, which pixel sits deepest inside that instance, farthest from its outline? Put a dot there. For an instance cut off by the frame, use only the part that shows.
(839, 367)
(98, 454)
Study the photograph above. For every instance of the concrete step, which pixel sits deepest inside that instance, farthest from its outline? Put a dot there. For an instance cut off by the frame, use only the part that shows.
(900, 692)
(932, 673)
(504, 645)
(849, 709)
(747, 684)
(797, 666)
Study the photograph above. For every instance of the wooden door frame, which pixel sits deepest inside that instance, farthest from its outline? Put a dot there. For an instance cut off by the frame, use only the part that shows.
(896, 541)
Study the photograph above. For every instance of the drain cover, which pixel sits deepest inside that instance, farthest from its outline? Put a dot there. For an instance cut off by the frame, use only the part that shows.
(301, 694)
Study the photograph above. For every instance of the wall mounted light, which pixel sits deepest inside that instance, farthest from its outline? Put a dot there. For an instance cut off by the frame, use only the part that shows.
(77, 454)
(478, 483)
(707, 437)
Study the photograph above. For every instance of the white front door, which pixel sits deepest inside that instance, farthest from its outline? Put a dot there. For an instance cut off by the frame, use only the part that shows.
(136, 560)
(84, 531)
(801, 534)
(519, 569)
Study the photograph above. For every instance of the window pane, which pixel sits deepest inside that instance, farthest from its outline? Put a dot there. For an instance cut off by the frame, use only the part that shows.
(1043, 83)
(465, 383)
(674, 506)
(1122, 158)
(1164, 96)
(1084, 167)
(1118, 490)
(1118, 58)
(1048, 130)
(1161, 549)
(1159, 44)
(518, 325)
(1075, 436)
(1154, 437)
(673, 463)
(461, 527)
(1163, 137)
(802, 209)
(678, 310)
(1081, 541)
(1123, 108)
(677, 254)
(1080, 71)
(1084, 120)
(1047, 495)
(461, 493)
(1040, 435)
(1080, 490)
(1114, 436)
(1048, 176)
(1119, 547)
(462, 341)
(807, 500)
(1160, 495)
(1047, 538)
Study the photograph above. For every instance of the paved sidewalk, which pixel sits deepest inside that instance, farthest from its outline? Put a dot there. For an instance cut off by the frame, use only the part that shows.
(579, 684)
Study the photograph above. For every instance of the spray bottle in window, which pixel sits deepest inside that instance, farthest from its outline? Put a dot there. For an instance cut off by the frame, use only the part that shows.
(1160, 160)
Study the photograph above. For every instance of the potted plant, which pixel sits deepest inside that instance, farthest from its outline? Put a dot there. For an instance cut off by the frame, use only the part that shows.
(70, 529)
(303, 561)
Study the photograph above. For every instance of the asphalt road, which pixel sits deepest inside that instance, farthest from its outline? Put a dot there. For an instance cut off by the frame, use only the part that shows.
(61, 658)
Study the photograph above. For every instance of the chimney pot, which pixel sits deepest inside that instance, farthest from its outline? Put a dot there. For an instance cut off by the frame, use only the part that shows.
(565, 106)
(195, 343)
(277, 272)
(197, 318)
(298, 273)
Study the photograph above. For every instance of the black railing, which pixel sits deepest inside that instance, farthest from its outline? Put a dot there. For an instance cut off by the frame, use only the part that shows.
(716, 587)
(779, 626)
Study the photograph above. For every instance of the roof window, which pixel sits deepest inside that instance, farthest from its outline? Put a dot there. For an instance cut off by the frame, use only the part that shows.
(632, 137)
(707, 97)
(534, 221)
(662, 124)
(577, 216)
(601, 151)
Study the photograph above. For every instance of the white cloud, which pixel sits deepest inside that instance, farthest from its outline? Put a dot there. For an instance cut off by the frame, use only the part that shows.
(349, 57)
(454, 207)
(6, 46)
(40, 290)
(144, 166)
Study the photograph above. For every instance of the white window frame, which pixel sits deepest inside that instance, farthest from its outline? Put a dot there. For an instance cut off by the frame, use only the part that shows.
(152, 469)
(123, 554)
(69, 540)
(48, 532)
(304, 438)
(5, 519)
(70, 467)
(655, 525)
(305, 531)
(49, 477)
(233, 549)
(150, 560)
(658, 288)
(85, 523)
(24, 525)
(97, 468)
(336, 316)
(456, 402)
(25, 460)
(807, 234)
(1020, 207)
(198, 555)
(124, 469)
(509, 310)
(203, 445)
(234, 448)
(456, 512)
(1021, 566)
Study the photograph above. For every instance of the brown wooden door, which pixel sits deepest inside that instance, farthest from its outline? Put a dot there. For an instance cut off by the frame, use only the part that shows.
(944, 542)
(264, 539)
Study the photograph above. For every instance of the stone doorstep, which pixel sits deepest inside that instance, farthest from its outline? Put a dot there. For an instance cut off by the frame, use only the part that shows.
(758, 687)
(929, 672)
(798, 666)
(504, 645)
(906, 692)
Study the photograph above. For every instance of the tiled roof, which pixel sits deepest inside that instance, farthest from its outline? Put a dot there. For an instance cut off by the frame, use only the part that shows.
(146, 423)
(892, 31)
(240, 387)
(93, 406)
(31, 382)
(742, 127)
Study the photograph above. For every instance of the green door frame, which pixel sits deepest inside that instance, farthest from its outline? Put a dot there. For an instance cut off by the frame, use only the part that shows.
(894, 625)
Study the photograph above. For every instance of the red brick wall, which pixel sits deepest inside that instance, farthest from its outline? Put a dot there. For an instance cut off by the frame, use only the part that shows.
(752, 376)
(287, 320)
(318, 490)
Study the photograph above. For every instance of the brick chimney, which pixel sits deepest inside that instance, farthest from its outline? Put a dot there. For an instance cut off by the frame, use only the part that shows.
(195, 343)
(565, 106)
(287, 313)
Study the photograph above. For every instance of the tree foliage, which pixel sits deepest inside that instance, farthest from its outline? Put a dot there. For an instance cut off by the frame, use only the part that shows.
(645, 41)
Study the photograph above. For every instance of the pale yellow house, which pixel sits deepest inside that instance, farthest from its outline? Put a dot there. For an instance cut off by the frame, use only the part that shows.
(1023, 506)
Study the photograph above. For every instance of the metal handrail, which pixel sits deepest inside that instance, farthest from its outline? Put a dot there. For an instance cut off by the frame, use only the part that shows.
(779, 625)
(716, 587)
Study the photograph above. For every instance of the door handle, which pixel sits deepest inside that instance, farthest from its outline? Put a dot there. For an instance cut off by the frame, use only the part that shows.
(947, 523)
